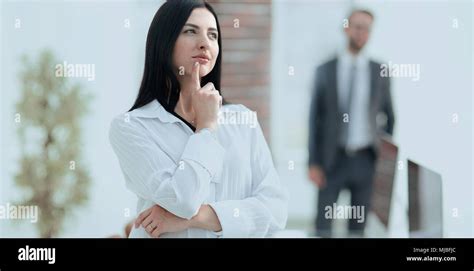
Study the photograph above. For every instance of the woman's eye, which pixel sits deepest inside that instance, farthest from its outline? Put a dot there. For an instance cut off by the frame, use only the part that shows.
(213, 35)
(190, 31)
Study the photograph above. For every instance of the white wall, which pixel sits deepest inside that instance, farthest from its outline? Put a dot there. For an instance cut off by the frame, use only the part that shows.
(91, 33)
(1, 118)
(425, 131)
(307, 32)
(301, 39)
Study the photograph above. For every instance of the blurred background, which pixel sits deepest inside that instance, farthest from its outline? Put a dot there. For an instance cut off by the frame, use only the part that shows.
(270, 52)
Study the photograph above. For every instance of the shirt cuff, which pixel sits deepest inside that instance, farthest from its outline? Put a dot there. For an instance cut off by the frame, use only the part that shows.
(228, 213)
(204, 149)
(217, 233)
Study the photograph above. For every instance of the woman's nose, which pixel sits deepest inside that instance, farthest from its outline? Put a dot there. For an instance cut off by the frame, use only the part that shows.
(203, 43)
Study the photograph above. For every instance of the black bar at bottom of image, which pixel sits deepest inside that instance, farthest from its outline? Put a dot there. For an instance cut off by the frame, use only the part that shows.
(19, 254)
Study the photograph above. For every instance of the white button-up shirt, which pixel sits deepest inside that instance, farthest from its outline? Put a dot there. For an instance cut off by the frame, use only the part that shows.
(360, 135)
(164, 162)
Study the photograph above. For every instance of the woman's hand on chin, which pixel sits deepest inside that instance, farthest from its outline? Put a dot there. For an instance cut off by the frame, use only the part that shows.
(156, 221)
(206, 101)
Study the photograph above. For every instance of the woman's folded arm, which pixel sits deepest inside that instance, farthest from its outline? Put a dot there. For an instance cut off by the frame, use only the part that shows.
(179, 188)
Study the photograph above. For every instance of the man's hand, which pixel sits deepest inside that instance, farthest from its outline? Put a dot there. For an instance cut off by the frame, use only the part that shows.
(317, 176)
(156, 221)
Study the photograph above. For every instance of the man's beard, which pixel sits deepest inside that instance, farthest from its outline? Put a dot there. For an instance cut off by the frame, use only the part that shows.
(353, 46)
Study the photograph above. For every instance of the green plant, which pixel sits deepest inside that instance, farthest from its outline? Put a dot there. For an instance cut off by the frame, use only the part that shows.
(51, 172)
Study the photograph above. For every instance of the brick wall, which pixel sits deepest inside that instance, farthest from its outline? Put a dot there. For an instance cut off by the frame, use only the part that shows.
(246, 54)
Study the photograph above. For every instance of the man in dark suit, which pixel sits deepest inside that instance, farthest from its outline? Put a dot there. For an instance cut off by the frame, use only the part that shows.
(350, 102)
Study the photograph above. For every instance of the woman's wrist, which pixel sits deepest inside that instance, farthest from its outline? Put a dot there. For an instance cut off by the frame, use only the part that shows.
(206, 219)
(210, 126)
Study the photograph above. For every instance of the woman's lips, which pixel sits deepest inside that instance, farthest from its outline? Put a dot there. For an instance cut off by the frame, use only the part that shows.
(202, 60)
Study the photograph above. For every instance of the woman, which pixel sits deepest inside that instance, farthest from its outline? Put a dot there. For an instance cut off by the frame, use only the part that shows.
(194, 176)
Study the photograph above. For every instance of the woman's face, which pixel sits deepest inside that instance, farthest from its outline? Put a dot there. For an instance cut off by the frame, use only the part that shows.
(197, 42)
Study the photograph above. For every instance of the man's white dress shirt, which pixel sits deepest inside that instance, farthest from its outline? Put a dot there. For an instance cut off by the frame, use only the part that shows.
(360, 135)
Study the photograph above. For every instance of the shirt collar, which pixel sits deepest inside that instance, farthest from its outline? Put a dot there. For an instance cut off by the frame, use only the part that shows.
(154, 110)
(360, 59)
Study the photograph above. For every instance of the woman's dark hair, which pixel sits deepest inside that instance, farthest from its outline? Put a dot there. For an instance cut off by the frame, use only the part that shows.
(159, 80)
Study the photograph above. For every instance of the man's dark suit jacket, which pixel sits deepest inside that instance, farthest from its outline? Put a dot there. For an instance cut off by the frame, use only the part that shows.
(325, 117)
